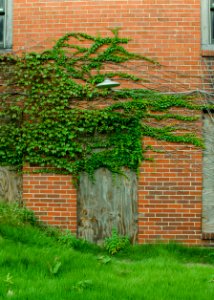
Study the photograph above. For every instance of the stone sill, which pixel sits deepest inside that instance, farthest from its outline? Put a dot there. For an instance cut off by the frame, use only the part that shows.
(4, 51)
(207, 53)
(207, 236)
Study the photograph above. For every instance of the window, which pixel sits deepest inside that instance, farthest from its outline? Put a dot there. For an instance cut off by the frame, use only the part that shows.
(6, 24)
(207, 24)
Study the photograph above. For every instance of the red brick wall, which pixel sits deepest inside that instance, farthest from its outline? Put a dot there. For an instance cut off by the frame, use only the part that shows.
(52, 197)
(167, 30)
(169, 195)
(170, 190)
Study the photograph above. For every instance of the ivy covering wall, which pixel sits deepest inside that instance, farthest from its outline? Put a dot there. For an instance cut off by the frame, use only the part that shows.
(53, 115)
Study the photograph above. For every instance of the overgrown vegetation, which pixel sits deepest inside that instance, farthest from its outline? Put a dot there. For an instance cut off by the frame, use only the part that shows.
(35, 265)
(115, 243)
(54, 116)
(16, 215)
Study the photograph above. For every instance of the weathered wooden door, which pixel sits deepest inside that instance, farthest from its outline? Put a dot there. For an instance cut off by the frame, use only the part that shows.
(208, 175)
(110, 201)
(10, 185)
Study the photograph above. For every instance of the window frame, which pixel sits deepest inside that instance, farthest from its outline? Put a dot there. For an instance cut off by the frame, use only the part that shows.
(7, 43)
(206, 43)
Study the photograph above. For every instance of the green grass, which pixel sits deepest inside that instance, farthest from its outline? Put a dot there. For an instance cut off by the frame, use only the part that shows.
(41, 264)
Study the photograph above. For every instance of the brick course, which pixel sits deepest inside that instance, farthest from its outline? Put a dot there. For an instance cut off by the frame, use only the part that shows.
(168, 31)
(170, 194)
(52, 197)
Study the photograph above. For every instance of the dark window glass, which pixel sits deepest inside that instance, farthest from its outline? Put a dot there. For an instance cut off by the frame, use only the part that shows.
(1, 29)
(212, 26)
(212, 20)
(2, 16)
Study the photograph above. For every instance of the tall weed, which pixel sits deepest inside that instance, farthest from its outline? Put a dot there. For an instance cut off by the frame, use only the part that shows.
(115, 243)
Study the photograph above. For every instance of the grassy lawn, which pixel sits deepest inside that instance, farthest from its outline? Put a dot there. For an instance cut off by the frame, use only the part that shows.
(35, 265)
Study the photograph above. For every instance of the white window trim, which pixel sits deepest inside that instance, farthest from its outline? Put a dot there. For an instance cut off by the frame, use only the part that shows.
(8, 25)
(205, 26)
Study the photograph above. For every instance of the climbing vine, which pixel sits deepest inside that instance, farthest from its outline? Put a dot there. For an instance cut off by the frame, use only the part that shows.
(53, 116)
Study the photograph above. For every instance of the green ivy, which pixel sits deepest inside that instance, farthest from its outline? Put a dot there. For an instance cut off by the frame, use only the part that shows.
(42, 123)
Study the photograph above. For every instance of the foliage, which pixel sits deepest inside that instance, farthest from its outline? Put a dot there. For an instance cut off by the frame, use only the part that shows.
(25, 271)
(13, 215)
(104, 259)
(67, 239)
(115, 243)
(16, 215)
(55, 266)
(43, 124)
(82, 285)
(179, 272)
